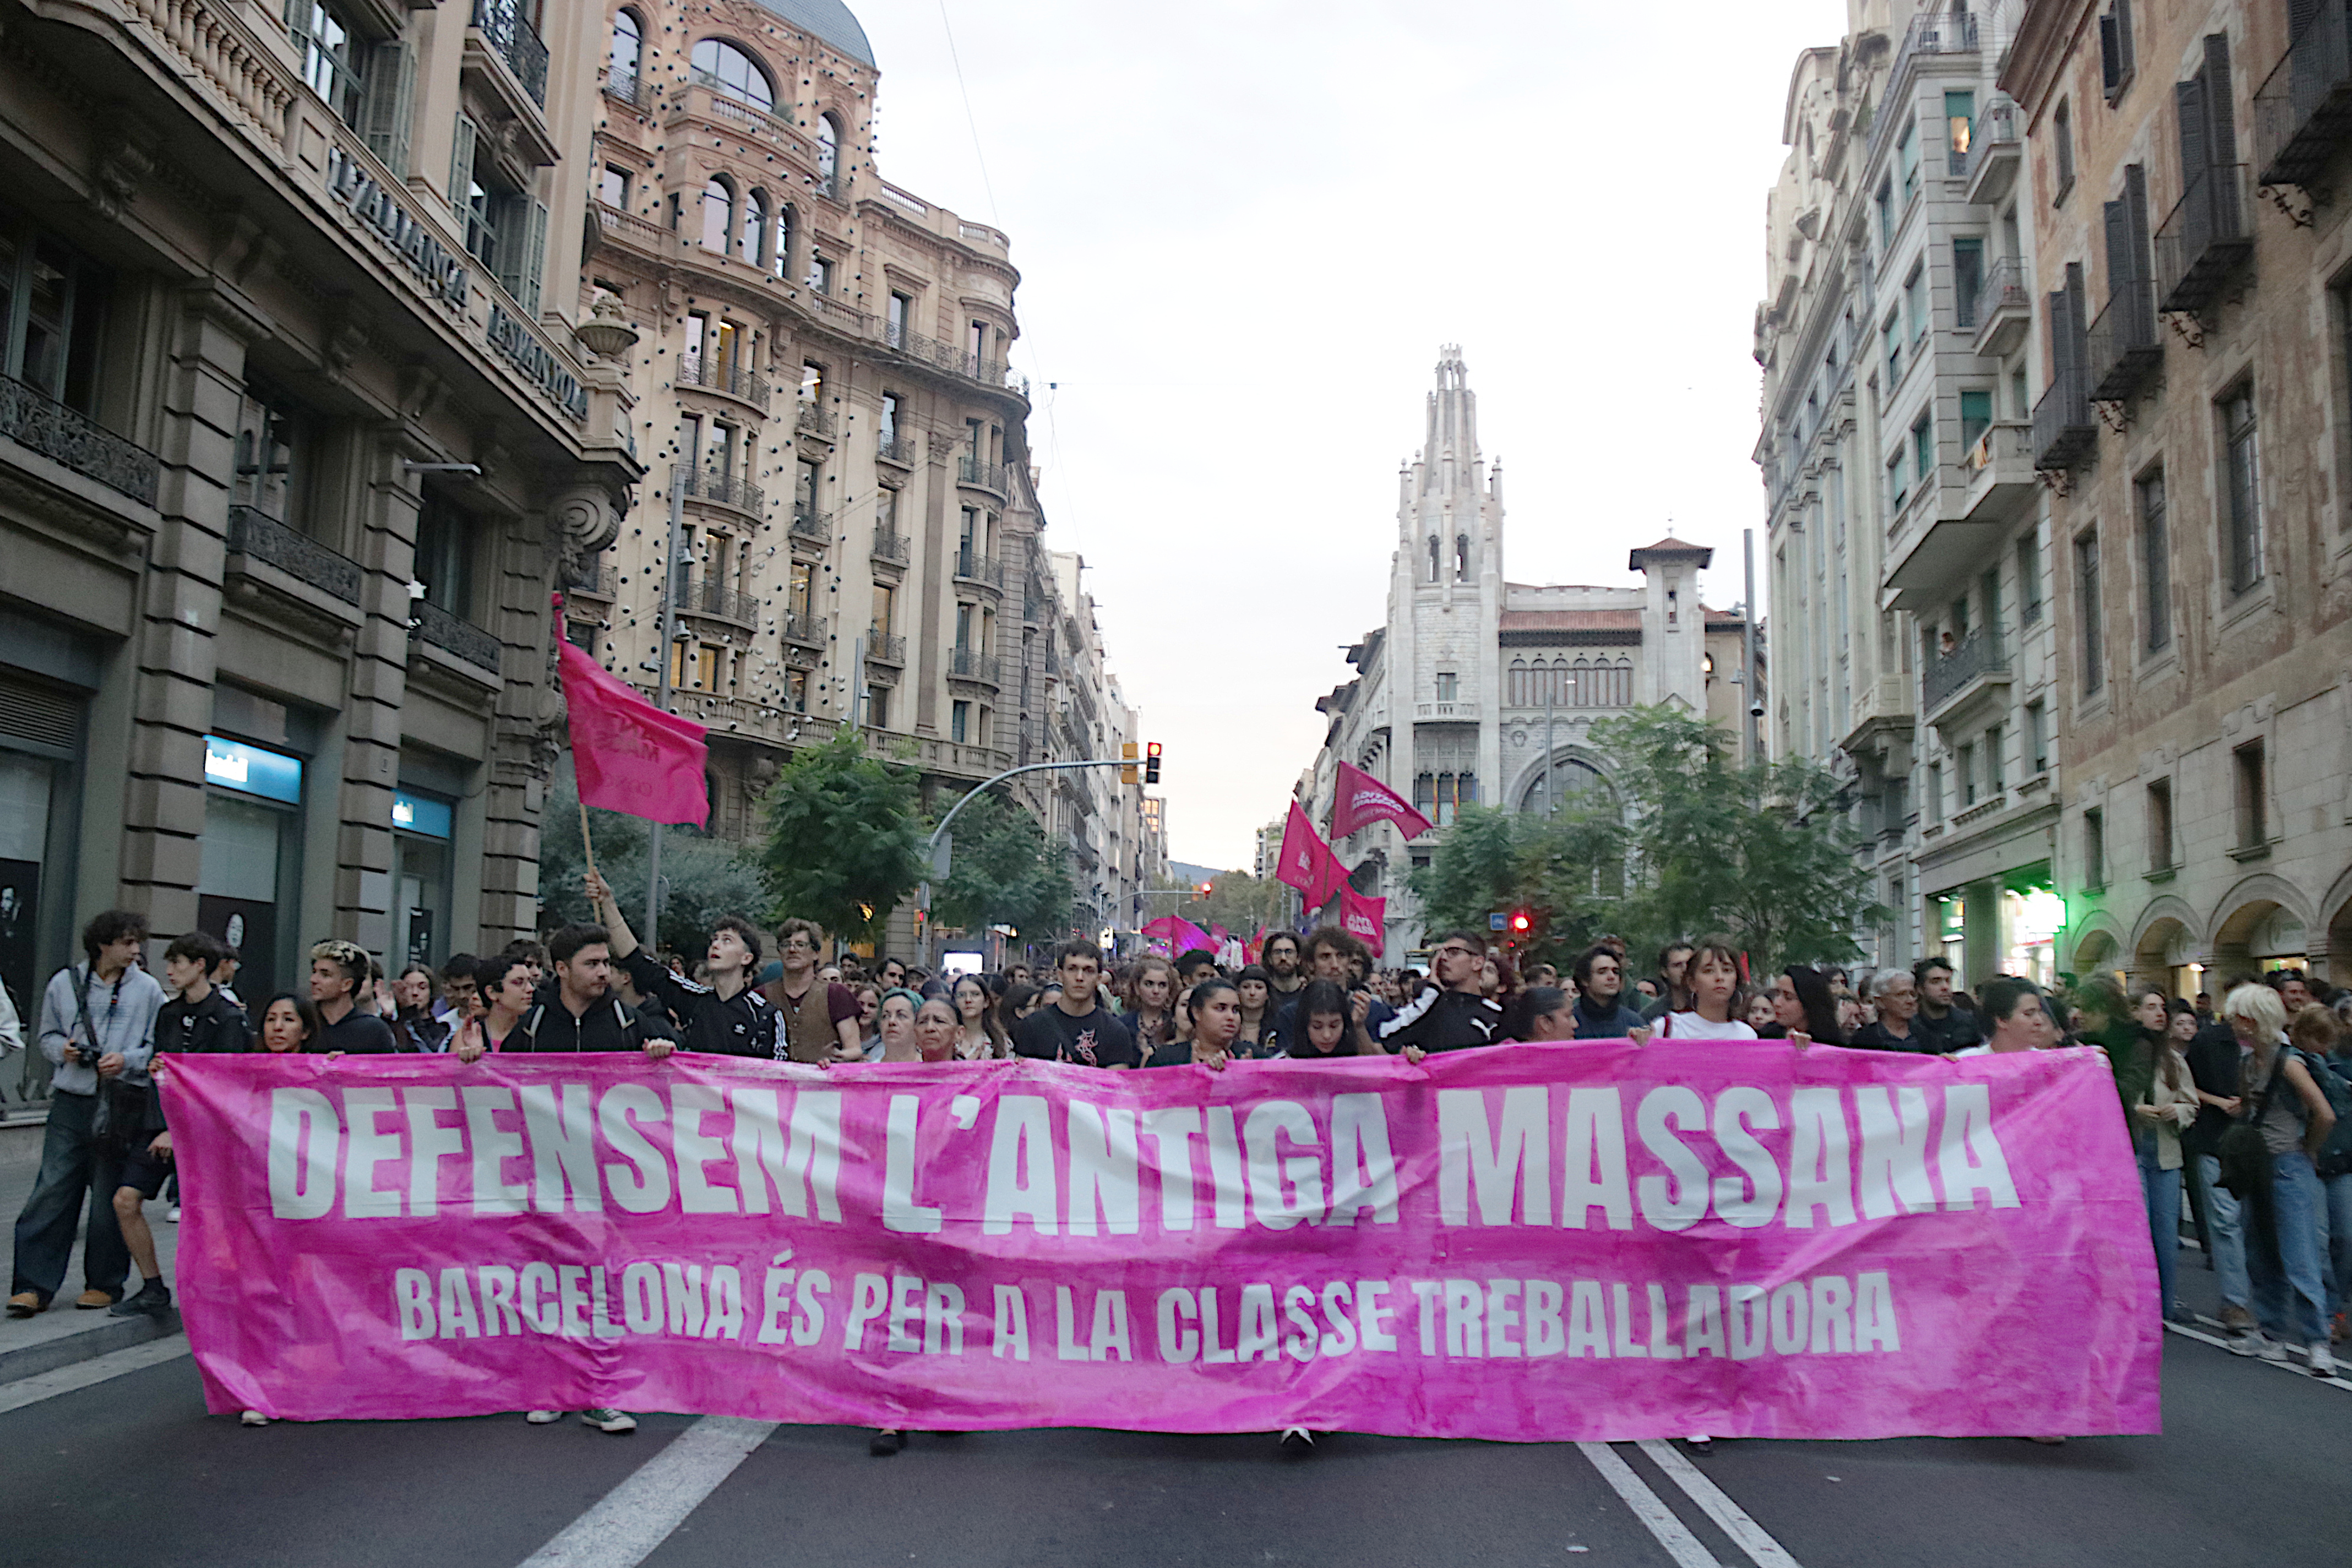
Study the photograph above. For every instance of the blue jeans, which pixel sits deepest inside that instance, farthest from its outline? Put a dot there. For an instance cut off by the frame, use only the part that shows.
(2225, 1233)
(2161, 1189)
(2340, 1243)
(2284, 1247)
(72, 1166)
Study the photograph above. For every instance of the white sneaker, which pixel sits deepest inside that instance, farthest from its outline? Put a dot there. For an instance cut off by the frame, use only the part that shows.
(606, 1420)
(542, 1417)
(2323, 1360)
(2252, 1342)
(172, 1213)
(1296, 1440)
(254, 1418)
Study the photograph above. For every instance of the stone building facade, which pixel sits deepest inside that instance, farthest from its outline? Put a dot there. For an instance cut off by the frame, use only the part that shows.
(1479, 690)
(1908, 537)
(820, 372)
(2194, 299)
(294, 440)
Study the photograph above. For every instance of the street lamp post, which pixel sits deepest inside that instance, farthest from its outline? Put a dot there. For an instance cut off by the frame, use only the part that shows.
(678, 473)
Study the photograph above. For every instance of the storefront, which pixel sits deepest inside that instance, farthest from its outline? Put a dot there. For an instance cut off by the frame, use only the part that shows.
(41, 726)
(2031, 915)
(252, 859)
(422, 826)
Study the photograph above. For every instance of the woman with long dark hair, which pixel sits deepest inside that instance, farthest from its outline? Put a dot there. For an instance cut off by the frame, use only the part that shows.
(1321, 1026)
(1803, 1005)
(1538, 1013)
(1255, 985)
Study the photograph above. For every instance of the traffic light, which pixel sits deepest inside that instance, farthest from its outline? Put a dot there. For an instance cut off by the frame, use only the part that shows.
(1522, 923)
(1127, 773)
(1208, 889)
(1151, 762)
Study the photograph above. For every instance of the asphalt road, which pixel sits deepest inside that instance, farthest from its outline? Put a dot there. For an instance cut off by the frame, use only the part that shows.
(130, 1470)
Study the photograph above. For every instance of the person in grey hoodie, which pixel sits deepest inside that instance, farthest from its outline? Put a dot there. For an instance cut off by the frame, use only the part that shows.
(98, 1023)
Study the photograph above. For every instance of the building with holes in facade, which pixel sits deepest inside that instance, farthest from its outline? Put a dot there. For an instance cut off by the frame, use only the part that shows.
(1479, 690)
(819, 368)
(295, 441)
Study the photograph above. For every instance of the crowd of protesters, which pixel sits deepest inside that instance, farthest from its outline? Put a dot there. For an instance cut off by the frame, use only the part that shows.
(2242, 1114)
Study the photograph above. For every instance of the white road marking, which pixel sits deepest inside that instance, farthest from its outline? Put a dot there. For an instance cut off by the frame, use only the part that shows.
(2201, 1337)
(1672, 1534)
(628, 1522)
(83, 1373)
(1727, 1515)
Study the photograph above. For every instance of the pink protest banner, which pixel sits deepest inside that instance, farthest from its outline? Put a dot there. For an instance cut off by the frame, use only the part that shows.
(1584, 1240)
(628, 754)
(1307, 863)
(1358, 799)
(1364, 919)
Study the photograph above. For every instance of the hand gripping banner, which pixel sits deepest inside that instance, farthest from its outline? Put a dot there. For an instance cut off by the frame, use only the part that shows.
(1582, 1240)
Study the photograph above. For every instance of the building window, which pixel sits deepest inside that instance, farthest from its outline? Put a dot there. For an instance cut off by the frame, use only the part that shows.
(1976, 417)
(1461, 557)
(2087, 613)
(628, 53)
(1923, 447)
(1936, 793)
(888, 428)
(443, 565)
(820, 273)
(506, 230)
(755, 227)
(2037, 735)
(958, 721)
(2244, 517)
(1906, 163)
(1992, 758)
(1893, 335)
(1968, 282)
(800, 590)
(333, 56)
(1885, 204)
(1965, 763)
(828, 154)
(613, 187)
(796, 684)
(902, 309)
(273, 452)
(1959, 128)
(2062, 136)
(1440, 796)
(2028, 579)
(1432, 558)
(2159, 826)
(718, 213)
(1446, 685)
(719, 64)
(878, 707)
(1915, 302)
(2116, 53)
(2254, 789)
(2094, 849)
(2155, 561)
(885, 607)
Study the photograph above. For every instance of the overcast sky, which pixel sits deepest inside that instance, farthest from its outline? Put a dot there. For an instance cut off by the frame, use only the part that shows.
(1244, 230)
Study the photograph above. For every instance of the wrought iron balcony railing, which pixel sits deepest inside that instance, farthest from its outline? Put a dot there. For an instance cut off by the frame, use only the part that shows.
(718, 485)
(1978, 654)
(2207, 235)
(41, 423)
(2302, 110)
(803, 628)
(812, 525)
(974, 567)
(885, 647)
(259, 537)
(2125, 345)
(2063, 433)
(899, 450)
(510, 33)
(697, 370)
(707, 598)
(811, 420)
(889, 544)
(971, 664)
(986, 476)
(455, 635)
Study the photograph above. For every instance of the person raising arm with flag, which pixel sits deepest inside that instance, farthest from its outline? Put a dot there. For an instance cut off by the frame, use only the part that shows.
(728, 1018)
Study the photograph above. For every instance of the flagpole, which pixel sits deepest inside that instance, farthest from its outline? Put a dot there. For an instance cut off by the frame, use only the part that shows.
(680, 475)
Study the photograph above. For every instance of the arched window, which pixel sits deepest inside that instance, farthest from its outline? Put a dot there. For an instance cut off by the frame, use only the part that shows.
(1624, 683)
(755, 226)
(1519, 697)
(828, 153)
(628, 55)
(719, 64)
(1461, 557)
(718, 214)
(780, 263)
(1572, 694)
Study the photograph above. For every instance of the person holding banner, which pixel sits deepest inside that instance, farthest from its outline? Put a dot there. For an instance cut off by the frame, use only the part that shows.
(895, 1023)
(1322, 1025)
(1152, 1021)
(1213, 1011)
(728, 1018)
(575, 1010)
(1714, 982)
(1601, 1010)
(503, 983)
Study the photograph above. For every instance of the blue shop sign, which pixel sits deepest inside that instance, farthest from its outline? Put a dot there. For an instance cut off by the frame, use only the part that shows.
(233, 765)
(420, 813)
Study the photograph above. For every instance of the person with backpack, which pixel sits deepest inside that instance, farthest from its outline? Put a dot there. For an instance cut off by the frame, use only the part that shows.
(2269, 1158)
(2321, 1038)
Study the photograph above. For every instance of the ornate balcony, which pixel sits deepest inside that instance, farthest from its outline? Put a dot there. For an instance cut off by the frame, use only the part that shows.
(806, 630)
(717, 485)
(2207, 235)
(883, 648)
(730, 380)
(510, 34)
(456, 636)
(811, 420)
(705, 97)
(1999, 473)
(593, 577)
(892, 546)
(2064, 434)
(1975, 664)
(980, 476)
(624, 86)
(815, 527)
(717, 601)
(900, 451)
(640, 233)
(2304, 110)
(973, 567)
(1995, 152)
(257, 537)
(44, 424)
(2002, 311)
(971, 664)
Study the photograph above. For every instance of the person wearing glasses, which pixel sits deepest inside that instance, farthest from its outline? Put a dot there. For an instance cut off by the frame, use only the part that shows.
(1454, 1013)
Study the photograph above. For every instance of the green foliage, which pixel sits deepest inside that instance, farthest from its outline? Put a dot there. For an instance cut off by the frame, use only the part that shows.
(1694, 843)
(702, 877)
(1005, 871)
(844, 844)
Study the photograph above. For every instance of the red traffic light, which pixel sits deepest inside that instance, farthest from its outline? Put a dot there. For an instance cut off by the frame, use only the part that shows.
(1521, 921)
(1151, 762)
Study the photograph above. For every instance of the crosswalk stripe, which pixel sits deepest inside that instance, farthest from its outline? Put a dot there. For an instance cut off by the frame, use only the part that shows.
(84, 1374)
(1671, 1533)
(1729, 1516)
(629, 1521)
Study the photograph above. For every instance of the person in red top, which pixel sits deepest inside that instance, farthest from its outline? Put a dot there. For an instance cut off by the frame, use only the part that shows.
(816, 1019)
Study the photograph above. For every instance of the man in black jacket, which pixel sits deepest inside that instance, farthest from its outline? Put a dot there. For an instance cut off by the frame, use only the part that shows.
(575, 1009)
(1452, 1015)
(726, 1017)
(200, 1020)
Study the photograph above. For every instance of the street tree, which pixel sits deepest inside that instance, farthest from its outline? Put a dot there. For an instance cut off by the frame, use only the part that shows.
(843, 841)
(1005, 871)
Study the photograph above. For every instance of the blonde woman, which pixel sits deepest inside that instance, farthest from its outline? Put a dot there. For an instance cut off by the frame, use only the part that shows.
(2284, 1217)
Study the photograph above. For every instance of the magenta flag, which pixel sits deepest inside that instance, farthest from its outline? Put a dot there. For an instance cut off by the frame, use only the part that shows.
(1360, 799)
(1181, 935)
(628, 754)
(1306, 859)
(1364, 919)
(1584, 1240)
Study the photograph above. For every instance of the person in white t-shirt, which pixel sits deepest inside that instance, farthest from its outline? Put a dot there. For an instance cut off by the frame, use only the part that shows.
(2021, 1020)
(1714, 980)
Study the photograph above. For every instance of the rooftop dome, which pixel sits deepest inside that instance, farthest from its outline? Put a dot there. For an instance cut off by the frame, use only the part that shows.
(829, 20)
